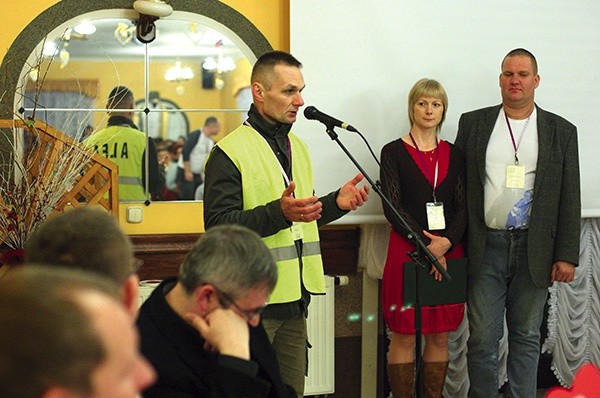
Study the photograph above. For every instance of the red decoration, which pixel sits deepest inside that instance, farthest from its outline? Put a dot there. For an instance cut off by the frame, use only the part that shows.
(585, 385)
(13, 257)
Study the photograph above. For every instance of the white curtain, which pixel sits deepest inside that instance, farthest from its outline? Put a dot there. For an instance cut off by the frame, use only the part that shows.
(574, 314)
(573, 320)
(70, 123)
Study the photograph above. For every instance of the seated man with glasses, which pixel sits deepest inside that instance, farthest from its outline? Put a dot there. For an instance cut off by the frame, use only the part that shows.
(202, 330)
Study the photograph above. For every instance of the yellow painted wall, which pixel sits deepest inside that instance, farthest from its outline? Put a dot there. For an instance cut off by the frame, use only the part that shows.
(164, 217)
(271, 17)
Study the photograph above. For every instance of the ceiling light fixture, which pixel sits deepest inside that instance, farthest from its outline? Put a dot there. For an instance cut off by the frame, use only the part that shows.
(50, 49)
(85, 28)
(221, 64)
(178, 73)
(209, 63)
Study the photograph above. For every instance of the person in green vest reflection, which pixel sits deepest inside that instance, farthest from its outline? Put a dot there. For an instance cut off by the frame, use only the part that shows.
(122, 143)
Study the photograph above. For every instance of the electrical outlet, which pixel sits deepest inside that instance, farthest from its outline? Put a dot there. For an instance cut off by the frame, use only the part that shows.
(134, 214)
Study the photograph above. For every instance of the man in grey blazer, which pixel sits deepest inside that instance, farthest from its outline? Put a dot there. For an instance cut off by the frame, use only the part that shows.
(524, 214)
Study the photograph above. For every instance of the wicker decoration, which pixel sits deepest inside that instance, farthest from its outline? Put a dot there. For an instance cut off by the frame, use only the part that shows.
(56, 172)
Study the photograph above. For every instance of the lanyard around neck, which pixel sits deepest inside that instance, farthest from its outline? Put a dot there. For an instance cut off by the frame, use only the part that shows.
(424, 164)
(512, 137)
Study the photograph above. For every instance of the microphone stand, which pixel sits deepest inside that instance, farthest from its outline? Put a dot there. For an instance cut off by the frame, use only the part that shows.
(421, 256)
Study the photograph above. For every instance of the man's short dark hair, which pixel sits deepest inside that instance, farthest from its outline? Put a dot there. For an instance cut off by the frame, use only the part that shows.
(120, 97)
(521, 52)
(88, 238)
(265, 64)
(210, 120)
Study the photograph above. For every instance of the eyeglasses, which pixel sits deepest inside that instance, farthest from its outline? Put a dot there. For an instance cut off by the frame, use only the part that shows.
(249, 315)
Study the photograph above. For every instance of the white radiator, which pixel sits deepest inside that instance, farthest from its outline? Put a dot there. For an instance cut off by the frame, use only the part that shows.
(146, 288)
(321, 335)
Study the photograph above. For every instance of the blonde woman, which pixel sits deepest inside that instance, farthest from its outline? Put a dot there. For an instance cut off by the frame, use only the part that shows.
(418, 170)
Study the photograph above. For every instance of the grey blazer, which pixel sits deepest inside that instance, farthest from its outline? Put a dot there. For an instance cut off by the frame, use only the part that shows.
(554, 226)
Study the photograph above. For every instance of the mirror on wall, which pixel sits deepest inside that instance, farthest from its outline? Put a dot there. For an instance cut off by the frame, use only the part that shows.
(191, 71)
(165, 121)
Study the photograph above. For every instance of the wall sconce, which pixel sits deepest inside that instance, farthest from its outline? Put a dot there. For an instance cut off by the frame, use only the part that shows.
(150, 11)
(124, 33)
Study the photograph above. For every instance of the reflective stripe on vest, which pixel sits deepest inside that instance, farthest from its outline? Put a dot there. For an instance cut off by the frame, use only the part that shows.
(290, 252)
(262, 182)
(130, 180)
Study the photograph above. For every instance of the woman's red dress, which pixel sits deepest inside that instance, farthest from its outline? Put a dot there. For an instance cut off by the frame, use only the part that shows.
(435, 319)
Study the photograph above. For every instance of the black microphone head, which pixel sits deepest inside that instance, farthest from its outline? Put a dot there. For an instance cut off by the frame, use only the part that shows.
(310, 112)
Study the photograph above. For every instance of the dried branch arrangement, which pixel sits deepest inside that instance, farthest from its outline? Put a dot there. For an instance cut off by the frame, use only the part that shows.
(40, 172)
(39, 167)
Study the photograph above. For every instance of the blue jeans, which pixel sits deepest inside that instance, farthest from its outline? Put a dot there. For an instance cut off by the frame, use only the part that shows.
(503, 282)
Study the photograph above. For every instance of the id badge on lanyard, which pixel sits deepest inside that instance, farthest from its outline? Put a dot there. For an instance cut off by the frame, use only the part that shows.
(515, 173)
(435, 216)
(515, 176)
(297, 233)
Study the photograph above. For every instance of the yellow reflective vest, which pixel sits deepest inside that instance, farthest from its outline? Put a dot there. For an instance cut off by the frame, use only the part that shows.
(124, 146)
(263, 182)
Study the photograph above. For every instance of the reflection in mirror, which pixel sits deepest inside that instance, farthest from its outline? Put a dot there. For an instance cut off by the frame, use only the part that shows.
(190, 72)
(159, 125)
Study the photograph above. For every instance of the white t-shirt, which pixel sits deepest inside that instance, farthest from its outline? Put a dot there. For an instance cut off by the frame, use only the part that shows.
(507, 208)
(198, 154)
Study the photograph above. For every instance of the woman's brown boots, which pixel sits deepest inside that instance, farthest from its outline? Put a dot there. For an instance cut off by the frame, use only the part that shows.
(402, 375)
(434, 378)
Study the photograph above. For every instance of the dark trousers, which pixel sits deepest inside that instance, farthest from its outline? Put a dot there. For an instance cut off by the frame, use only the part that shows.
(187, 189)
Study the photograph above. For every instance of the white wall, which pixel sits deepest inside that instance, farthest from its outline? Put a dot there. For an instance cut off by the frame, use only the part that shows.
(362, 57)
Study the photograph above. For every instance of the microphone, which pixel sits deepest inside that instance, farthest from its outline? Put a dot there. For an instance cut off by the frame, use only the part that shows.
(313, 113)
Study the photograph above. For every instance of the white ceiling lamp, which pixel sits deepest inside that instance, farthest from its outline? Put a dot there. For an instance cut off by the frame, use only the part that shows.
(85, 28)
(226, 64)
(209, 63)
(50, 49)
(178, 73)
(222, 64)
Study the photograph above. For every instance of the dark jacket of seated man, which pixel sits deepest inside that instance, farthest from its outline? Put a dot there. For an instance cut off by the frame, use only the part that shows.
(186, 369)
